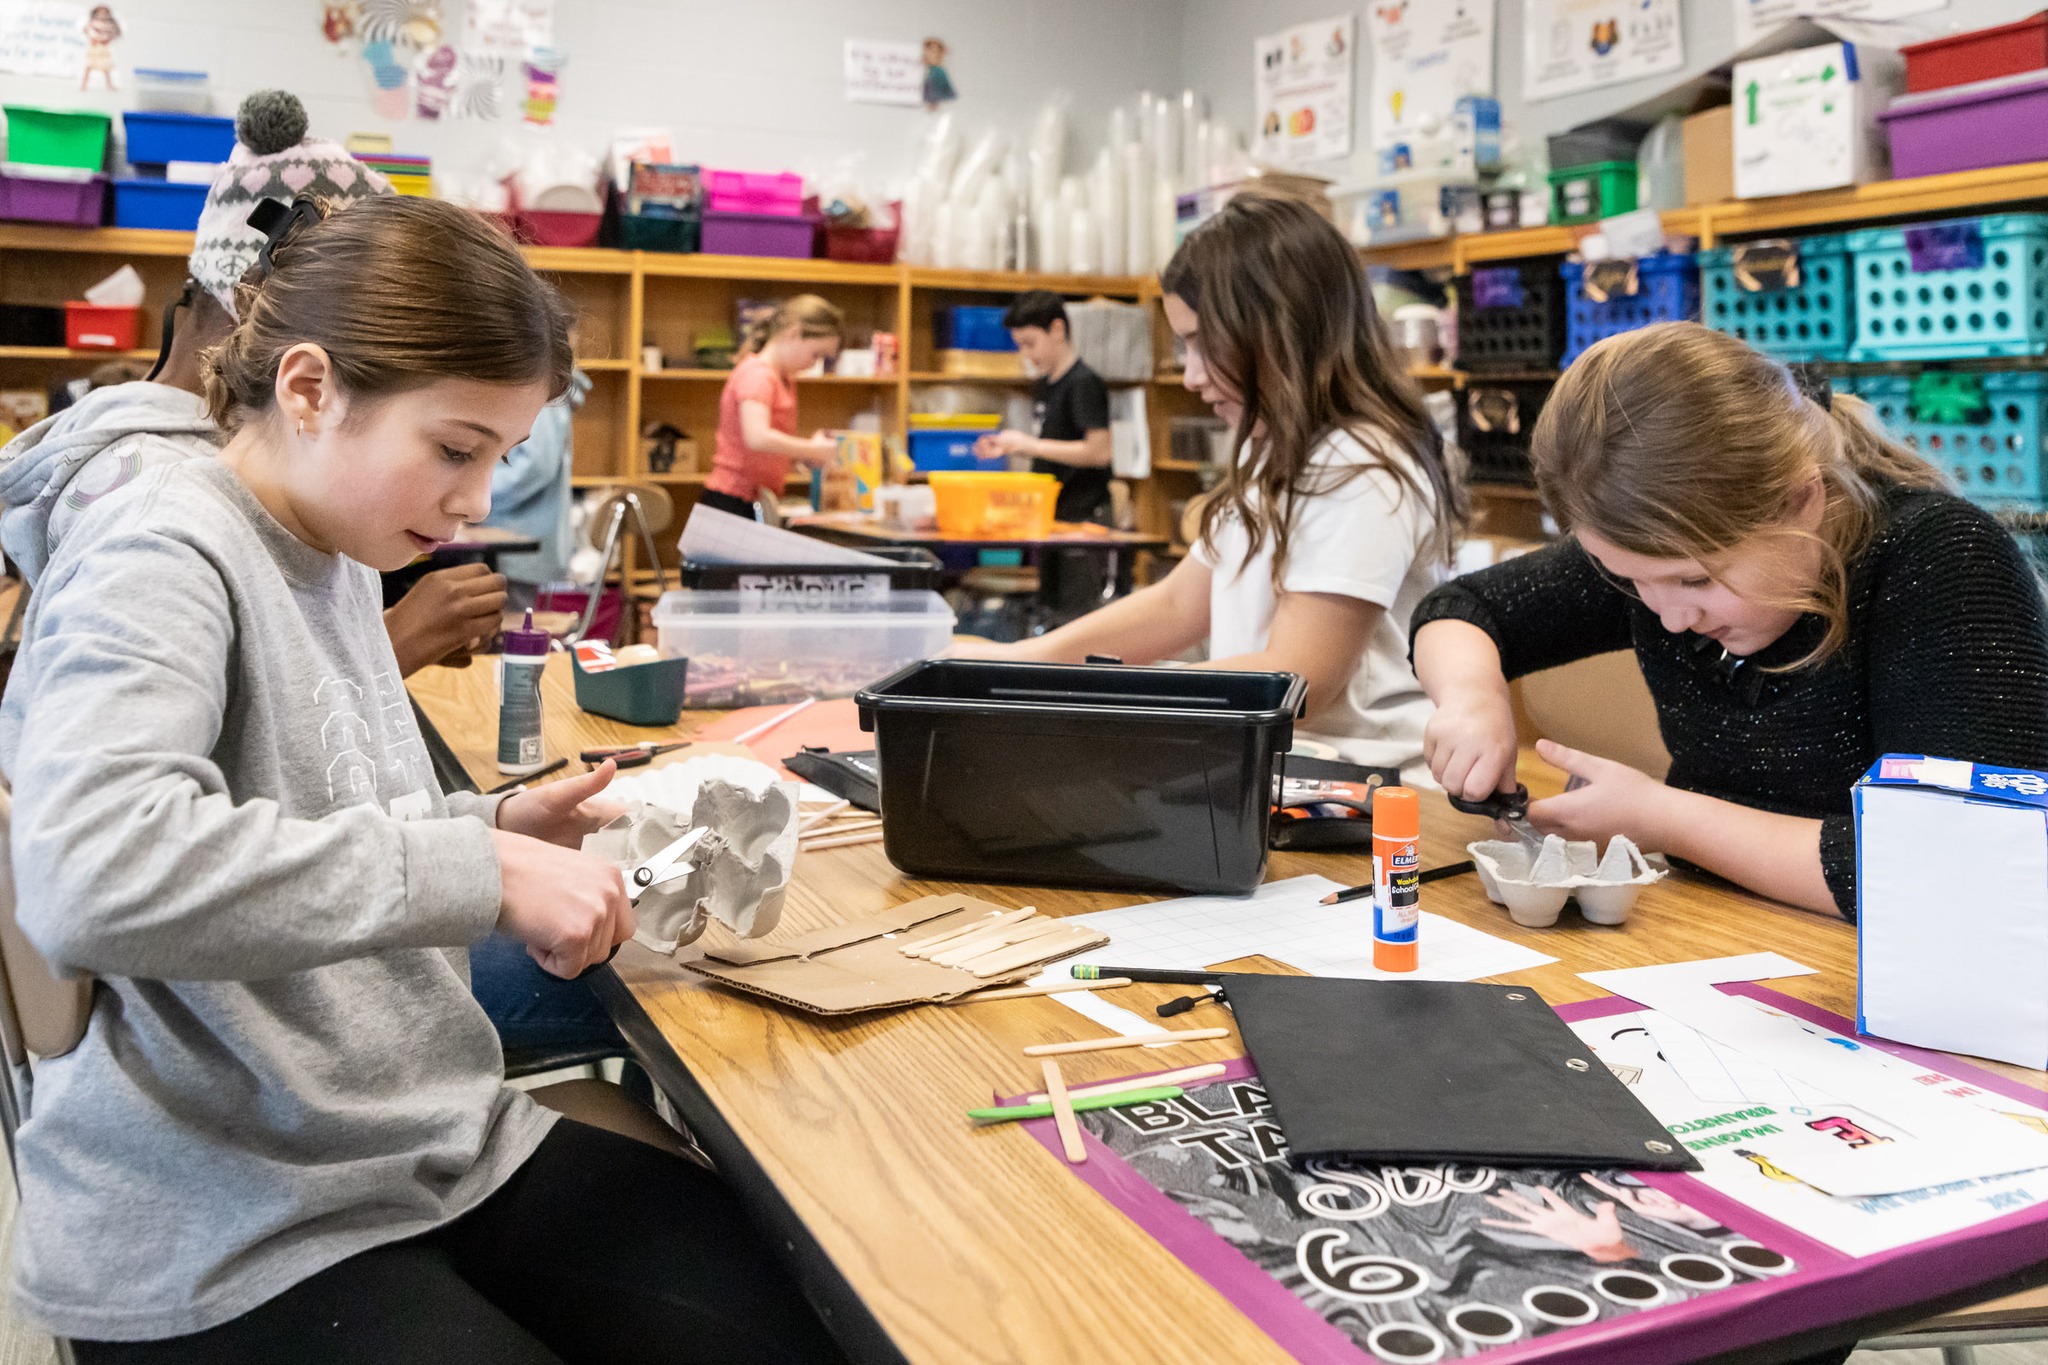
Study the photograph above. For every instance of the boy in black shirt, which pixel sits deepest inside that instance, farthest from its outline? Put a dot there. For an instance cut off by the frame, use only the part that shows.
(1071, 404)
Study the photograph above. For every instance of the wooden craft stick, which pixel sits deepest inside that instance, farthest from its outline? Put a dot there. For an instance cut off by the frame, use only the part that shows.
(845, 827)
(925, 947)
(844, 841)
(1036, 950)
(769, 724)
(1054, 988)
(1063, 1114)
(982, 945)
(820, 816)
(1183, 1076)
(1186, 1035)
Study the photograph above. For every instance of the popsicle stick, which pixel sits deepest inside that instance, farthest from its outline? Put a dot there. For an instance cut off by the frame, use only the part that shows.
(1036, 950)
(844, 841)
(925, 947)
(1186, 1035)
(972, 949)
(1055, 988)
(1063, 1114)
(844, 827)
(819, 817)
(1183, 1076)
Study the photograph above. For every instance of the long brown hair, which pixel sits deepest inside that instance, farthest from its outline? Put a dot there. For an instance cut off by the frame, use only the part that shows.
(1288, 323)
(1678, 442)
(811, 316)
(399, 292)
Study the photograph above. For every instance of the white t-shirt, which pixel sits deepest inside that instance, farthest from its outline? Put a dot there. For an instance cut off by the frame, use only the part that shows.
(1370, 538)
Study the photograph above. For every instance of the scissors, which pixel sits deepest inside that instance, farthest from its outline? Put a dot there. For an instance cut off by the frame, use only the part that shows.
(663, 867)
(1512, 808)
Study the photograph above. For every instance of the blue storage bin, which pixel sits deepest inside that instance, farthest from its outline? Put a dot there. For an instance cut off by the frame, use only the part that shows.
(1982, 428)
(1792, 300)
(154, 139)
(1961, 289)
(1667, 289)
(950, 449)
(966, 327)
(158, 204)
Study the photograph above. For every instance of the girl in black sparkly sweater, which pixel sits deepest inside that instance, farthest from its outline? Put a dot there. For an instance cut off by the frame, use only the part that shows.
(1801, 594)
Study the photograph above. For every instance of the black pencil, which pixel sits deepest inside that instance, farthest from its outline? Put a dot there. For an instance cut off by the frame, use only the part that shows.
(1435, 874)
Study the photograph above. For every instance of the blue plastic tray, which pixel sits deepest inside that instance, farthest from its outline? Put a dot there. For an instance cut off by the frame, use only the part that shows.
(158, 204)
(1667, 290)
(154, 139)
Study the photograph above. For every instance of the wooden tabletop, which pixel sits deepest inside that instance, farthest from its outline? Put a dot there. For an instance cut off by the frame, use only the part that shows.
(928, 1240)
(860, 526)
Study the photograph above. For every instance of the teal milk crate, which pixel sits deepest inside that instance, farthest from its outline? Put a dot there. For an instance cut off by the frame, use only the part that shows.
(1789, 299)
(1982, 429)
(1967, 288)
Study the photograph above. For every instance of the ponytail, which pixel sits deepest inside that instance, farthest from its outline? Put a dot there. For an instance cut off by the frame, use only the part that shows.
(812, 316)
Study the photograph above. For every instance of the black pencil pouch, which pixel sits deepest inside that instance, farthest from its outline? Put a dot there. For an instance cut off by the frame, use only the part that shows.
(853, 776)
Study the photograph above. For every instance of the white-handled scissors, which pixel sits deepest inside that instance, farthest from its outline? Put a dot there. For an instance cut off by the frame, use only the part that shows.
(664, 866)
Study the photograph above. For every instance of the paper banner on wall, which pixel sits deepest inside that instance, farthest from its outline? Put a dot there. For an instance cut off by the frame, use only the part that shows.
(510, 28)
(1756, 19)
(880, 72)
(1572, 45)
(42, 38)
(1304, 87)
(405, 24)
(339, 24)
(543, 67)
(390, 80)
(1425, 56)
(456, 85)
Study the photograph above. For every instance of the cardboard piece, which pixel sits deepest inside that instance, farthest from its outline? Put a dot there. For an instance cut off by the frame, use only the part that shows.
(1709, 142)
(859, 965)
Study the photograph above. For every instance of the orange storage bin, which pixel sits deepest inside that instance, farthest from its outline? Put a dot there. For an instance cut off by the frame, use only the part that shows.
(994, 506)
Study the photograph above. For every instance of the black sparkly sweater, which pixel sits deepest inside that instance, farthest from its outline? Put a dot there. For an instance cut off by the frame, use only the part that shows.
(1947, 655)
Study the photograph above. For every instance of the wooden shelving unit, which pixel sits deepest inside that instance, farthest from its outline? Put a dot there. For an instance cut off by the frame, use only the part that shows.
(1960, 193)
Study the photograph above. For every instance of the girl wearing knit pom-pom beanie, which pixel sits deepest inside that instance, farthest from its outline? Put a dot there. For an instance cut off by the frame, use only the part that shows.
(1802, 593)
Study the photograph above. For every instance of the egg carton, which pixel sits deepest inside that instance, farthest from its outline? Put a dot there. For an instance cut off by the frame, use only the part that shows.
(1534, 887)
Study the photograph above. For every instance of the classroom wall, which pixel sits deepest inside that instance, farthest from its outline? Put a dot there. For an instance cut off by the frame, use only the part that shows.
(753, 84)
(1217, 35)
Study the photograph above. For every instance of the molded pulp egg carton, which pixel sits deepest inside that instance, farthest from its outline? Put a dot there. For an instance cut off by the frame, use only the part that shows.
(1534, 890)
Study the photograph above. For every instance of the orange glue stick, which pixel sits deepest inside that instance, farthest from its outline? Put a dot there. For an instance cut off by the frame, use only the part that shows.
(1396, 863)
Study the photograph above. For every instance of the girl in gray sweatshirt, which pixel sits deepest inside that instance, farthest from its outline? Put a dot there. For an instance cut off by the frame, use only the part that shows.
(285, 1135)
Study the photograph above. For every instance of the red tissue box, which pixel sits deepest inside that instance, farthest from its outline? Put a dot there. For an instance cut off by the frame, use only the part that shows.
(89, 327)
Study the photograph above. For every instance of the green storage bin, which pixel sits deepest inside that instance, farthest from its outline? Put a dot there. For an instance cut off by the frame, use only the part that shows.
(639, 694)
(57, 137)
(1580, 194)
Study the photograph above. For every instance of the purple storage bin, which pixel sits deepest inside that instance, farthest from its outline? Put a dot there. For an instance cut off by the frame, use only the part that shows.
(1991, 123)
(758, 234)
(34, 199)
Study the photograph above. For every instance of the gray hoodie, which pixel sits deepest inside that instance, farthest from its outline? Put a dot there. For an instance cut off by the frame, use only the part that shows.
(63, 464)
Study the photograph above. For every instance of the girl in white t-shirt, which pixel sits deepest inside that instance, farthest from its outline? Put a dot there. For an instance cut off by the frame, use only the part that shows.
(1340, 512)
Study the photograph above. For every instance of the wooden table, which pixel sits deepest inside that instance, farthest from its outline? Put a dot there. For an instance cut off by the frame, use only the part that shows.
(924, 1240)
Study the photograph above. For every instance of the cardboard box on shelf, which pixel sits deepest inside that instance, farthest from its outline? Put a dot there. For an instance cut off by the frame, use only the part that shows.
(1709, 151)
(1807, 119)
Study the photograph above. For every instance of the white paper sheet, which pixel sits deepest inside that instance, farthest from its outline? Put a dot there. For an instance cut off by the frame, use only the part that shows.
(1719, 1134)
(1920, 1140)
(1283, 920)
(714, 537)
(1091, 1005)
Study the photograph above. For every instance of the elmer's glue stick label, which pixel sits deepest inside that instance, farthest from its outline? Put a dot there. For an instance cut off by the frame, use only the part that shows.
(1396, 864)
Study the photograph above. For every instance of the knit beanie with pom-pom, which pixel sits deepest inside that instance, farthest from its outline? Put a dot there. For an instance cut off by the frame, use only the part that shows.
(273, 159)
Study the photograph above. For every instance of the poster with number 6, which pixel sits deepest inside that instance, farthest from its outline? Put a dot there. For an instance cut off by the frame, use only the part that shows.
(1303, 80)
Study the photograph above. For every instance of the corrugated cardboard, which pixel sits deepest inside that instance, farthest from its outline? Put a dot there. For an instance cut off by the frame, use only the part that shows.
(859, 965)
(1709, 143)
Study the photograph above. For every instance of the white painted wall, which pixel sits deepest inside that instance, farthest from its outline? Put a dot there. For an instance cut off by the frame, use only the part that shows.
(754, 84)
(1216, 43)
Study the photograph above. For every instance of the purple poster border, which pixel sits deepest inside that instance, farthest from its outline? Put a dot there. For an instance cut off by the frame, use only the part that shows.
(1829, 1288)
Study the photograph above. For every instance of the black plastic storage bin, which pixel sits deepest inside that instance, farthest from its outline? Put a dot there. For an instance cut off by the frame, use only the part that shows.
(1591, 143)
(1511, 317)
(910, 569)
(1115, 778)
(1495, 420)
(30, 324)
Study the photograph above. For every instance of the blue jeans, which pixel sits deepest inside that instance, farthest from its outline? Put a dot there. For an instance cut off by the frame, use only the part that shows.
(537, 1013)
